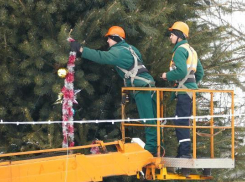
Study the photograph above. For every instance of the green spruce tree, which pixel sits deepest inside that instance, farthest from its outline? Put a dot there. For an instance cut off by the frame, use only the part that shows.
(33, 47)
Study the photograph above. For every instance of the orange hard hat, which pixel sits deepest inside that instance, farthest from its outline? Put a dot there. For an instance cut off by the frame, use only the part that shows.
(116, 31)
(181, 26)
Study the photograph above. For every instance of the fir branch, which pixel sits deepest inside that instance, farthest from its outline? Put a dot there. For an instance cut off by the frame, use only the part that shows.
(89, 17)
(22, 5)
(90, 33)
(225, 62)
(219, 56)
(5, 41)
(163, 9)
(111, 6)
(240, 34)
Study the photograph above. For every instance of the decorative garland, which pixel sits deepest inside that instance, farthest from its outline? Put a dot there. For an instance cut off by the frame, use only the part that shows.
(67, 103)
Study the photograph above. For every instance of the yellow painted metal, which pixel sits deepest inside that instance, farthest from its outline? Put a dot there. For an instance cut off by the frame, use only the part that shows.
(212, 124)
(164, 175)
(162, 110)
(161, 104)
(194, 129)
(158, 124)
(122, 124)
(173, 89)
(57, 149)
(194, 125)
(233, 128)
(77, 167)
(174, 126)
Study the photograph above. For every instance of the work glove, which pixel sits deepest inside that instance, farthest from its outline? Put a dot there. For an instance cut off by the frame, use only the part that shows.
(75, 47)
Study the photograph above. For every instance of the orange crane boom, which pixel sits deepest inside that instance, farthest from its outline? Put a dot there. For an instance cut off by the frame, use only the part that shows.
(77, 167)
(129, 158)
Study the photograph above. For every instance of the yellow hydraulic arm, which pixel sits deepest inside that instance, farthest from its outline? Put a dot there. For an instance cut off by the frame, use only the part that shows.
(77, 167)
(129, 160)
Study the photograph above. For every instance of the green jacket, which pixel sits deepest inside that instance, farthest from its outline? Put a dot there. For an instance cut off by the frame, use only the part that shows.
(180, 57)
(117, 55)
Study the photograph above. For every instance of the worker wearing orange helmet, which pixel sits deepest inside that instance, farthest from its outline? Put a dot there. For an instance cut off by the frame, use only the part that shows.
(185, 69)
(129, 65)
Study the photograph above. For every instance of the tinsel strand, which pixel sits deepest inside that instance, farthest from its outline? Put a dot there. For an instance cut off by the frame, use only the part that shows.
(67, 104)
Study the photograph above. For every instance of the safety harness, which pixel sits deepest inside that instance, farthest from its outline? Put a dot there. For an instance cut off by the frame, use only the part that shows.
(135, 69)
(191, 67)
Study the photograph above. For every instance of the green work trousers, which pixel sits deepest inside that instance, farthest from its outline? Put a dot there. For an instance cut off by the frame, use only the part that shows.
(146, 105)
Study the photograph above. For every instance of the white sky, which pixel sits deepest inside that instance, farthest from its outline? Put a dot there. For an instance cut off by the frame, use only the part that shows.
(237, 20)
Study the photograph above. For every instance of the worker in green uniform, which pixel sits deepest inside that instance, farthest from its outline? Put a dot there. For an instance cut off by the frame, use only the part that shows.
(129, 65)
(185, 69)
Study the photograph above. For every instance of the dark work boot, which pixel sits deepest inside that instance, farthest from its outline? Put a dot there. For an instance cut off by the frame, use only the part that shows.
(206, 172)
(188, 156)
(185, 172)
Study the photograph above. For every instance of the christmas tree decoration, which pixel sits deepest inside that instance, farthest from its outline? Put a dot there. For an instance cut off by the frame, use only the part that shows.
(68, 100)
(75, 96)
(73, 111)
(62, 72)
(60, 98)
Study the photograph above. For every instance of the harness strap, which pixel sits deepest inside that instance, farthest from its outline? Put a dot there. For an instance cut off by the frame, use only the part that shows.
(183, 86)
(151, 83)
(135, 70)
(128, 74)
(188, 75)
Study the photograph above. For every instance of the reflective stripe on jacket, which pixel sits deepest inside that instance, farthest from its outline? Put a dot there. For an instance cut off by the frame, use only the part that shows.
(192, 60)
(180, 59)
